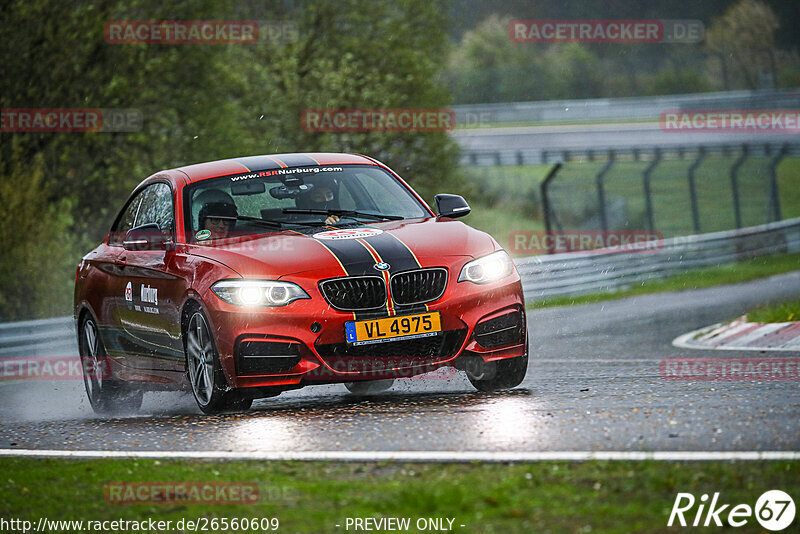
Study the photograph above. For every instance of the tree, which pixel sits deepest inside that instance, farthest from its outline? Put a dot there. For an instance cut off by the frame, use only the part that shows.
(744, 40)
(38, 254)
(199, 103)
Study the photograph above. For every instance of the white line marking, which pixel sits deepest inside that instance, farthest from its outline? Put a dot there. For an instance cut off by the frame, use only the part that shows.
(793, 344)
(724, 329)
(761, 331)
(419, 456)
(687, 341)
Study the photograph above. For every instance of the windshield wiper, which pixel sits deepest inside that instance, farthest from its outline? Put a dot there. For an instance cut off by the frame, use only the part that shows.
(265, 222)
(345, 213)
(279, 224)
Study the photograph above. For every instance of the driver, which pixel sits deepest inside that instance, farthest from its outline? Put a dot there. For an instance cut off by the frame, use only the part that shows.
(218, 214)
(323, 196)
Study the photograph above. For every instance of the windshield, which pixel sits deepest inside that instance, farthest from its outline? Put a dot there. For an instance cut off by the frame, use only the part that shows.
(272, 200)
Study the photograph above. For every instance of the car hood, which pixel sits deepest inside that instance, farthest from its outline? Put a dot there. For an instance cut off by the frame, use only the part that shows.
(349, 250)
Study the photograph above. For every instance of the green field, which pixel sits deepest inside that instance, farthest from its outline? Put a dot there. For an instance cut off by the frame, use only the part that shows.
(776, 313)
(539, 497)
(508, 198)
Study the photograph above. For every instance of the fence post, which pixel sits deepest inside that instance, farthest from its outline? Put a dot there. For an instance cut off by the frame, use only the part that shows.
(648, 197)
(546, 202)
(737, 210)
(774, 195)
(601, 193)
(701, 155)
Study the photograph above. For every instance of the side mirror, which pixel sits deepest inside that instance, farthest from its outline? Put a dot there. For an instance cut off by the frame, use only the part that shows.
(451, 206)
(147, 237)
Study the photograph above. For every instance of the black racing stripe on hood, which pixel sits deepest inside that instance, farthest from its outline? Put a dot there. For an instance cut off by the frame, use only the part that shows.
(355, 258)
(393, 252)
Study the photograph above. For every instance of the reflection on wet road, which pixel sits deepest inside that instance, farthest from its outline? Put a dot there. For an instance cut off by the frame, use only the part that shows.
(593, 384)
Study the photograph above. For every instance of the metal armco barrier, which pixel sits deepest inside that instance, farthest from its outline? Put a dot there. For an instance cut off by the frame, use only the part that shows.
(32, 338)
(537, 156)
(622, 109)
(576, 273)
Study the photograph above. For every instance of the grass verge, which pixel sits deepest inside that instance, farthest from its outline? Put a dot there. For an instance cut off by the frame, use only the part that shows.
(697, 278)
(317, 496)
(776, 313)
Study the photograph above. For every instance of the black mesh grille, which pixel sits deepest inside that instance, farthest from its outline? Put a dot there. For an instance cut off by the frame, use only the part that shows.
(415, 287)
(354, 293)
(436, 347)
(266, 357)
(504, 330)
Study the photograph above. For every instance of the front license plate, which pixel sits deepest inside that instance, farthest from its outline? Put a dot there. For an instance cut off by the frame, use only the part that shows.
(393, 328)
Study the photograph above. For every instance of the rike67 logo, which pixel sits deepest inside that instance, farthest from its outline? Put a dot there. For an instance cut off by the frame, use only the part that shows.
(774, 511)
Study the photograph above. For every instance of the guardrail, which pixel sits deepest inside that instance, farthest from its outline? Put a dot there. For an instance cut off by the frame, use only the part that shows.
(536, 156)
(632, 108)
(31, 338)
(575, 273)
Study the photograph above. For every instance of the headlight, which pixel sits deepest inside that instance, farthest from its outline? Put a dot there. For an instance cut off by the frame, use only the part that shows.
(258, 292)
(487, 269)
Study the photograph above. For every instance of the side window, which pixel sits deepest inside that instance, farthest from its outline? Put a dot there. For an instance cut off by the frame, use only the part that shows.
(157, 208)
(126, 220)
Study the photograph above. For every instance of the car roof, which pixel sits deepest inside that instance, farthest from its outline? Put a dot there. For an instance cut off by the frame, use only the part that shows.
(224, 167)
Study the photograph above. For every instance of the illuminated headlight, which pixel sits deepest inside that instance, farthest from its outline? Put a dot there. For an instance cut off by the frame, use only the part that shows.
(487, 269)
(258, 292)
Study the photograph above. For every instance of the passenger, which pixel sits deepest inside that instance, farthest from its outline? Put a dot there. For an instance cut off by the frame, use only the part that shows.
(218, 214)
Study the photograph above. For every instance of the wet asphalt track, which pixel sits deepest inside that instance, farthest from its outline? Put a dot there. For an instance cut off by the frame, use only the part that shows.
(593, 384)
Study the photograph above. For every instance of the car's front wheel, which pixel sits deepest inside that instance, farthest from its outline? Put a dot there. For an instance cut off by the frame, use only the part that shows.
(106, 395)
(497, 375)
(205, 373)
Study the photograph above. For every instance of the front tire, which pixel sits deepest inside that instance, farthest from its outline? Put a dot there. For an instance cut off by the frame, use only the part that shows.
(106, 395)
(497, 375)
(205, 372)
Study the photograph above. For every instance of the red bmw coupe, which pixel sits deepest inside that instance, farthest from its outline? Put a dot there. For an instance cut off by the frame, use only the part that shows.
(243, 278)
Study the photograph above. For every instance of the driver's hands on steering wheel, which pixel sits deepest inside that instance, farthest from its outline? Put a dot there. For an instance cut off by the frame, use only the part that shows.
(332, 219)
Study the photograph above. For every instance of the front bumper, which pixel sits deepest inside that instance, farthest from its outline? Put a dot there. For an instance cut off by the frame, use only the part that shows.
(304, 343)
